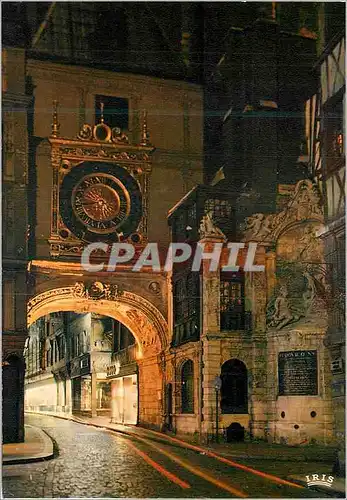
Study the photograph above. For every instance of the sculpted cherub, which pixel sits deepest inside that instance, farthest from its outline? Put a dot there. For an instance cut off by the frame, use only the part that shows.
(259, 226)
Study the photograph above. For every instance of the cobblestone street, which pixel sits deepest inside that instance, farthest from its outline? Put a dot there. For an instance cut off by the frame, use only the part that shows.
(93, 462)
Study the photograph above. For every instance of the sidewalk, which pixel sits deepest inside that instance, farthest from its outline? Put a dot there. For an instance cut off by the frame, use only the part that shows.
(36, 447)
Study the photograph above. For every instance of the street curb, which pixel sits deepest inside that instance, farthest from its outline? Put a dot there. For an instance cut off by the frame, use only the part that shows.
(48, 454)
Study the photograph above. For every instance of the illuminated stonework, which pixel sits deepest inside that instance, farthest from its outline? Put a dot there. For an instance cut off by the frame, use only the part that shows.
(134, 311)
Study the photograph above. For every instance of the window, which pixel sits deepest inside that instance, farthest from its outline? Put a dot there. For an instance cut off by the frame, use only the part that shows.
(103, 395)
(116, 111)
(84, 342)
(191, 295)
(9, 221)
(180, 304)
(49, 352)
(186, 297)
(221, 208)
(187, 387)
(8, 305)
(61, 346)
(334, 19)
(232, 304)
(180, 227)
(37, 358)
(191, 216)
(8, 145)
(334, 138)
(234, 390)
(56, 351)
(338, 143)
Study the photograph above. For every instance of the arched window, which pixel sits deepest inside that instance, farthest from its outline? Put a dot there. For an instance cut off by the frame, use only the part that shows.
(234, 391)
(187, 387)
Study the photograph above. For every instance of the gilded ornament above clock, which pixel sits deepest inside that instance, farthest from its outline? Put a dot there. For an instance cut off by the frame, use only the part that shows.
(102, 133)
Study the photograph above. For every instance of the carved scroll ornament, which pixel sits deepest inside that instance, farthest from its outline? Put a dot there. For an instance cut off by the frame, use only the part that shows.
(304, 204)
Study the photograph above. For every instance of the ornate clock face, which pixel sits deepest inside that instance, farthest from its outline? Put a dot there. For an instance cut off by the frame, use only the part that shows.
(100, 201)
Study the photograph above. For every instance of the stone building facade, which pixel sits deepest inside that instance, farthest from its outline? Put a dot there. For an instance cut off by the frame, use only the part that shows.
(273, 364)
(43, 140)
(243, 352)
(74, 152)
(66, 362)
(16, 229)
(325, 115)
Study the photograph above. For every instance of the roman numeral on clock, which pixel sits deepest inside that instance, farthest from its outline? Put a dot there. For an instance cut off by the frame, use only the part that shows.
(120, 216)
(94, 180)
(101, 225)
(123, 205)
(83, 216)
(79, 208)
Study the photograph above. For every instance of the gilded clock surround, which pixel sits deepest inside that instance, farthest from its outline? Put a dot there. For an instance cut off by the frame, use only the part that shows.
(100, 199)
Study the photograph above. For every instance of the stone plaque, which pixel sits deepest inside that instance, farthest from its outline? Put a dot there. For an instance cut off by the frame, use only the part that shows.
(297, 373)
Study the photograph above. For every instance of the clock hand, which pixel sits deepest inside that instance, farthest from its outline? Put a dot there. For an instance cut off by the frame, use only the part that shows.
(89, 202)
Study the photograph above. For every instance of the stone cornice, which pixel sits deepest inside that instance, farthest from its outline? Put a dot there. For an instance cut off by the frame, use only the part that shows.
(175, 154)
(75, 269)
(46, 69)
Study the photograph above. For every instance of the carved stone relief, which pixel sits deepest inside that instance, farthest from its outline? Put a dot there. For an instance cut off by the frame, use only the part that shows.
(208, 227)
(146, 329)
(146, 320)
(303, 204)
(96, 291)
(300, 295)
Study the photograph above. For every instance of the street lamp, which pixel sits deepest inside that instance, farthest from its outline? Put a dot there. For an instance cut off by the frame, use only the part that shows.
(217, 384)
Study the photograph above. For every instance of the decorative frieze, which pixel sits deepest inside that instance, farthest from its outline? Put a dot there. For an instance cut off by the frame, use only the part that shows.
(96, 291)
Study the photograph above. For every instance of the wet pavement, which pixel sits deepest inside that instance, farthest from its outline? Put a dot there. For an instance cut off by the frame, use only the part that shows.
(98, 463)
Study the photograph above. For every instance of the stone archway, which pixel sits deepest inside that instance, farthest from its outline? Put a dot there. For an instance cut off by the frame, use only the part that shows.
(142, 318)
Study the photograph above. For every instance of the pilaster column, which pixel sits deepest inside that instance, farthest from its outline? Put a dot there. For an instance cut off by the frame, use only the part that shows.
(93, 395)
(270, 269)
(210, 335)
(212, 358)
(210, 288)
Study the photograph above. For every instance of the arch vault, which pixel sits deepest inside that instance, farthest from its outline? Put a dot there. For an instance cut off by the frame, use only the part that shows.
(139, 315)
